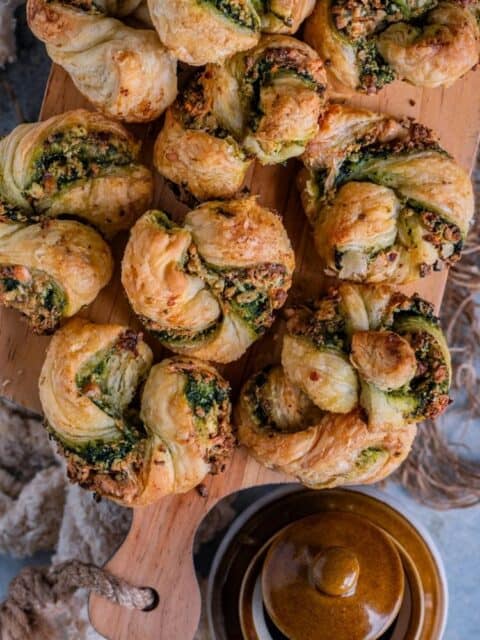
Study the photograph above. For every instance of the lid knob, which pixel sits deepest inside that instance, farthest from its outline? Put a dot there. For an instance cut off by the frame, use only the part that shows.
(335, 571)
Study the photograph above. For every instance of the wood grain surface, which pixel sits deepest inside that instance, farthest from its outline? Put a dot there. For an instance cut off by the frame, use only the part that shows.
(158, 548)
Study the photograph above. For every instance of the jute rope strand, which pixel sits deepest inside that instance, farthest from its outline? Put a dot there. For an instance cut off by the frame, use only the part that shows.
(34, 588)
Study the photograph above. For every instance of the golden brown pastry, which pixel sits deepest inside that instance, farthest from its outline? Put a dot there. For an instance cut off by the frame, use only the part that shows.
(208, 31)
(370, 43)
(132, 445)
(127, 73)
(194, 150)
(359, 368)
(271, 97)
(372, 346)
(50, 271)
(264, 103)
(212, 30)
(320, 450)
(209, 288)
(78, 163)
(385, 201)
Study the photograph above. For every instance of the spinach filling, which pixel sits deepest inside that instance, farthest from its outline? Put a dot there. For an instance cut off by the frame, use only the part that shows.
(259, 408)
(237, 11)
(208, 398)
(104, 377)
(110, 379)
(274, 64)
(362, 165)
(277, 63)
(375, 72)
(431, 384)
(181, 337)
(35, 294)
(162, 220)
(252, 293)
(103, 455)
(368, 457)
(445, 236)
(323, 324)
(360, 24)
(320, 177)
(426, 395)
(371, 254)
(194, 109)
(204, 393)
(417, 225)
(355, 19)
(404, 308)
(73, 155)
(196, 113)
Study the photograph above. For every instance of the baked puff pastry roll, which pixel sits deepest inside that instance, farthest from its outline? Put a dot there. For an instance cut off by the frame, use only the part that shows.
(127, 73)
(264, 103)
(211, 287)
(271, 97)
(359, 368)
(385, 201)
(208, 31)
(129, 431)
(78, 163)
(212, 30)
(50, 271)
(370, 346)
(194, 149)
(283, 430)
(370, 43)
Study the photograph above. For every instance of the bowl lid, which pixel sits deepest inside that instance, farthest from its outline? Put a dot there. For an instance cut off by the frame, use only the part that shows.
(333, 575)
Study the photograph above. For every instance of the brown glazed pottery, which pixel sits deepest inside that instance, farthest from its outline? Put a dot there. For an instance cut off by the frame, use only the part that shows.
(338, 564)
(336, 572)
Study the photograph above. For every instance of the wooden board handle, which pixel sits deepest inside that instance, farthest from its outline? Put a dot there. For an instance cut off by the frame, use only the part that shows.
(158, 553)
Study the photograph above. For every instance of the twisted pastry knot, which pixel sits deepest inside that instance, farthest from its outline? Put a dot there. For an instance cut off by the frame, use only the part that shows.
(359, 368)
(210, 31)
(129, 442)
(78, 163)
(385, 201)
(50, 271)
(370, 43)
(125, 72)
(264, 103)
(211, 287)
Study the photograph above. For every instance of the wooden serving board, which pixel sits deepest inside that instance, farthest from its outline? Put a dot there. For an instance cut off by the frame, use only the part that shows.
(158, 549)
